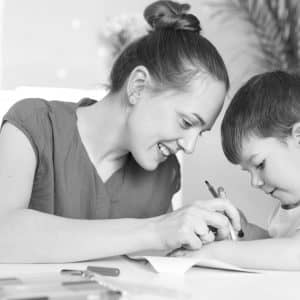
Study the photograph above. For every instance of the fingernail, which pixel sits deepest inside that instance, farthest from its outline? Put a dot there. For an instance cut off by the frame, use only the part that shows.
(241, 233)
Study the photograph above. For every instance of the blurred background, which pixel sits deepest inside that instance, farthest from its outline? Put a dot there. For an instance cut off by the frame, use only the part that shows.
(63, 49)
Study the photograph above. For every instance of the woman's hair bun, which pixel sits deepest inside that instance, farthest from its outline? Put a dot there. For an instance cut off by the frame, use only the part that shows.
(170, 14)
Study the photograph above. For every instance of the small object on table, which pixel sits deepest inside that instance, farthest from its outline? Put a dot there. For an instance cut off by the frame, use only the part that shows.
(105, 271)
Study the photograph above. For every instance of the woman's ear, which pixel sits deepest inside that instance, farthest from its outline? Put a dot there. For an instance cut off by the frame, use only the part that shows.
(296, 133)
(136, 83)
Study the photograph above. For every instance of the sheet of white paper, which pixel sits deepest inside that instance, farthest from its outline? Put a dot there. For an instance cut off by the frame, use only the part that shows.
(179, 265)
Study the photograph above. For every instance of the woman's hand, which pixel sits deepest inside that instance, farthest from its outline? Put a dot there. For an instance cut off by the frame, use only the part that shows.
(181, 252)
(190, 226)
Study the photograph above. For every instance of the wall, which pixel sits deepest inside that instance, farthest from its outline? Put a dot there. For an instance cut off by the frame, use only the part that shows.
(1, 38)
(55, 43)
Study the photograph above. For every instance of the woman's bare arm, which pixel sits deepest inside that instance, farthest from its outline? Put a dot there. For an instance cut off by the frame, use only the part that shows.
(31, 236)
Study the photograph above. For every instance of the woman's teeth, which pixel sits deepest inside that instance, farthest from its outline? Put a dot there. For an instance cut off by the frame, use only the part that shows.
(164, 150)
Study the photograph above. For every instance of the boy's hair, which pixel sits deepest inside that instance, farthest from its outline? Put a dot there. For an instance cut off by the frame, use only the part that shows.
(268, 105)
(174, 52)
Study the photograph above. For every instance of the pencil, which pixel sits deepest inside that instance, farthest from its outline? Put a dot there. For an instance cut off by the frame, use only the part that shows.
(105, 271)
(221, 194)
(211, 189)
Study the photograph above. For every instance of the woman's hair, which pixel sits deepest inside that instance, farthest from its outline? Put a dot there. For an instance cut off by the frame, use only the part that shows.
(268, 105)
(173, 51)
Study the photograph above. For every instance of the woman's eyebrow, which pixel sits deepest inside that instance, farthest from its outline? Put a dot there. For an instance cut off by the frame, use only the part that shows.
(203, 123)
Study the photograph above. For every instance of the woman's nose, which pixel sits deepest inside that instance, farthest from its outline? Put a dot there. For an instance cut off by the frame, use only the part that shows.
(188, 143)
(256, 181)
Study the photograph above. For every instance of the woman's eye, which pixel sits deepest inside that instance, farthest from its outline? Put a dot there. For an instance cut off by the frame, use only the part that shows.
(261, 165)
(186, 124)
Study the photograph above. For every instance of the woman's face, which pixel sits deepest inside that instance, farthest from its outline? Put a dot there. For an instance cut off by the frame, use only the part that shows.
(163, 123)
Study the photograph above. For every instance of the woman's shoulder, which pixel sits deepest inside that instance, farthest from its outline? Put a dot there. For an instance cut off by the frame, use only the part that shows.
(27, 106)
(40, 110)
(38, 118)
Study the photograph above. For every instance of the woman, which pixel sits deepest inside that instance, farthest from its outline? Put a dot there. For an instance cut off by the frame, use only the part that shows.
(96, 179)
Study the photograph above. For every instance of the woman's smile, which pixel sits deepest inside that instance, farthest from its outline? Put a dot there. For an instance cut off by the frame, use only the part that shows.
(164, 151)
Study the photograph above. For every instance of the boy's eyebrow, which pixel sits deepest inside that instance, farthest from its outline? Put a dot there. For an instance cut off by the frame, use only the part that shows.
(252, 156)
(249, 160)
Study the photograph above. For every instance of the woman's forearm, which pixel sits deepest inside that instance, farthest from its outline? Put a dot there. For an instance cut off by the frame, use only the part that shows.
(31, 236)
(273, 254)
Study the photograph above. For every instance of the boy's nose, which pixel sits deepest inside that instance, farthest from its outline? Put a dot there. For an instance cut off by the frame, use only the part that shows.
(256, 181)
(188, 143)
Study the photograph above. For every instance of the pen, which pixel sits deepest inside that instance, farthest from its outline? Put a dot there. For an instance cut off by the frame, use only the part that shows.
(232, 231)
(221, 194)
(88, 273)
(82, 273)
(211, 189)
(105, 271)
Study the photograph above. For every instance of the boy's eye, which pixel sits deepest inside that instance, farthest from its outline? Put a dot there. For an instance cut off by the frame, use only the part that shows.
(261, 165)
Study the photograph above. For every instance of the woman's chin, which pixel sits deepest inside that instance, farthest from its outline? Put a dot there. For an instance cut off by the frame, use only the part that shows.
(147, 164)
(150, 167)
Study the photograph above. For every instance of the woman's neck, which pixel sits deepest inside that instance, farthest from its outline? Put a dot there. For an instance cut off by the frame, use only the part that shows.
(102, 128)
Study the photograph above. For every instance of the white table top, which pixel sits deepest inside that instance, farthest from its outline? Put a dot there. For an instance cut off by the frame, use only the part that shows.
(198, 283)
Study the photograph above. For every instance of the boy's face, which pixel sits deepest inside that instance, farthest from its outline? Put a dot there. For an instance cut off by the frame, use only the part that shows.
(274, 167)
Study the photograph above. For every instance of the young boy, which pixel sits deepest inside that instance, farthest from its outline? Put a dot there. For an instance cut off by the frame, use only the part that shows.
(261, 133)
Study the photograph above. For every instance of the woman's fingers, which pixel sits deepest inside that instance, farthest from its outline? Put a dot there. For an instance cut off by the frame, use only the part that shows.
(219, 222)
(178, 252)
(197, 232)
(191, 227)
(191, 241)
(203, 231)
(185, 253)
(225, 206)
(197, 229)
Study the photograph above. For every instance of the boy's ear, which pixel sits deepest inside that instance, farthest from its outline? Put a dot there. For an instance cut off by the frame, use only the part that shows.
(136, 83)
(296, 133)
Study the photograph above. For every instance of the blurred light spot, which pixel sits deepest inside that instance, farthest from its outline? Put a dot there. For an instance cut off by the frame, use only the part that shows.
(61, 73)
(76, 24)
(102, 52)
